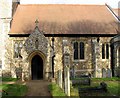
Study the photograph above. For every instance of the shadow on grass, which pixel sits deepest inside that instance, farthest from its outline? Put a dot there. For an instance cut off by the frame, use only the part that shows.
(113, 87)
(13, 90)
(55, 90)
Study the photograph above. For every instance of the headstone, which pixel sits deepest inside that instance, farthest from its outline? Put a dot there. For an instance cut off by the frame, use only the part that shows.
(103, 73)
(67, 80)
(72, 72)
(18, 72)
(60, 78)
(66, 59)
(108, 73)
(13, 72)
(99, 71)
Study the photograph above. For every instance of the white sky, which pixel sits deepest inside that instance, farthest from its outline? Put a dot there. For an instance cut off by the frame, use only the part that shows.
(112, 3)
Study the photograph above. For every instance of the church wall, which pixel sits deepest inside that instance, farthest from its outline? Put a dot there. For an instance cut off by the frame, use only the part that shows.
(87, 65)
(10, 62)
(5, 18)
(1, 37)
(81, 66)
(5, 8)
(58, 60)
(104, 63)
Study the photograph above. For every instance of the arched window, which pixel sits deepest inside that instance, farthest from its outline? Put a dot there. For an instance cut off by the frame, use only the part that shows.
(81, 50)
(107, 51)
(20, 47)
(76, 50)
(103, 51)
(16, 50)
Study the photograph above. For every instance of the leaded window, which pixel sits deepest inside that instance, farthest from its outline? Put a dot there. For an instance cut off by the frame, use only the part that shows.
(75, 50)
(79, 49)
(105, 51)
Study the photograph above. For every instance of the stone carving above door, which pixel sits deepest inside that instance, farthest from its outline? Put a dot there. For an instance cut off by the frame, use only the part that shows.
(36, 42)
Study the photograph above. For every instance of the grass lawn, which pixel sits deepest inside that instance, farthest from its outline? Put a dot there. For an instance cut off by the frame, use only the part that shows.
(7, 79)
(55, 90)
(12, 89)
(113, 86)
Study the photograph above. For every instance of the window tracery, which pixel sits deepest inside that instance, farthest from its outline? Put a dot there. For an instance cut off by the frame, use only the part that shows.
(79, 49)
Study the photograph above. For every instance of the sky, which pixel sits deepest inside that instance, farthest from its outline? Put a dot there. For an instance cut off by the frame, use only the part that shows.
(112, 3)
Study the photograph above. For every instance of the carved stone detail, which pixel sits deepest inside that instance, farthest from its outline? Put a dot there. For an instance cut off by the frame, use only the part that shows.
(36, 41)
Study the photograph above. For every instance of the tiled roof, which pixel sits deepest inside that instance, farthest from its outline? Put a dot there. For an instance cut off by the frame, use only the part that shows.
(63, 19)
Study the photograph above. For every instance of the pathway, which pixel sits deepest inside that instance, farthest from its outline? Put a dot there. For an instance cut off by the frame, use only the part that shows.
(38, 88)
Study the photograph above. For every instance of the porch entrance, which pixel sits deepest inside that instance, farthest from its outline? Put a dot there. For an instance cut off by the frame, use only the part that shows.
(37, 67)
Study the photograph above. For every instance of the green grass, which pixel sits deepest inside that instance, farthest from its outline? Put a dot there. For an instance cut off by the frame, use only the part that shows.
(56, 90)
(113, 86)
(112, 83)
(13, 90)
(7, 79)
(106, 79)
(73, 92)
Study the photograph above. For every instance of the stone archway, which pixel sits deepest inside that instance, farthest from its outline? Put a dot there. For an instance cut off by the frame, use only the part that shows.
(37, 68)
(37, 65)
(35, 44)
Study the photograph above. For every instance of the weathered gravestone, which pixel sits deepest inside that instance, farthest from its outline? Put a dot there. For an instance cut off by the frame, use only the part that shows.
(67, 80)
(101, 88)
(103, 72)
(108, 73)
(59, 79)
(82, 80)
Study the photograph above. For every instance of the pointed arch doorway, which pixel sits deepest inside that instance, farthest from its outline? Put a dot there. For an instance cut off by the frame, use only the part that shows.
(37, 67)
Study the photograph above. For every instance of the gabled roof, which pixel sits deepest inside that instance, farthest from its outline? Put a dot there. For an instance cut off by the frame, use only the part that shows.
(63, 19)
(117, 12)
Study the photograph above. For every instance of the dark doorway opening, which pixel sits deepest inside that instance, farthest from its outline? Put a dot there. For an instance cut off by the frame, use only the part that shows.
(37, 68)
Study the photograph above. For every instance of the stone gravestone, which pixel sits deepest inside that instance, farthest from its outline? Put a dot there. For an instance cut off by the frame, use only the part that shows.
(99, 71)
(71, 73)
(74, 71)
(18, 72)
(103, 73)
(66, 59)
(108, 73)
(67, 80)
(59, 78)
(66, 68)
